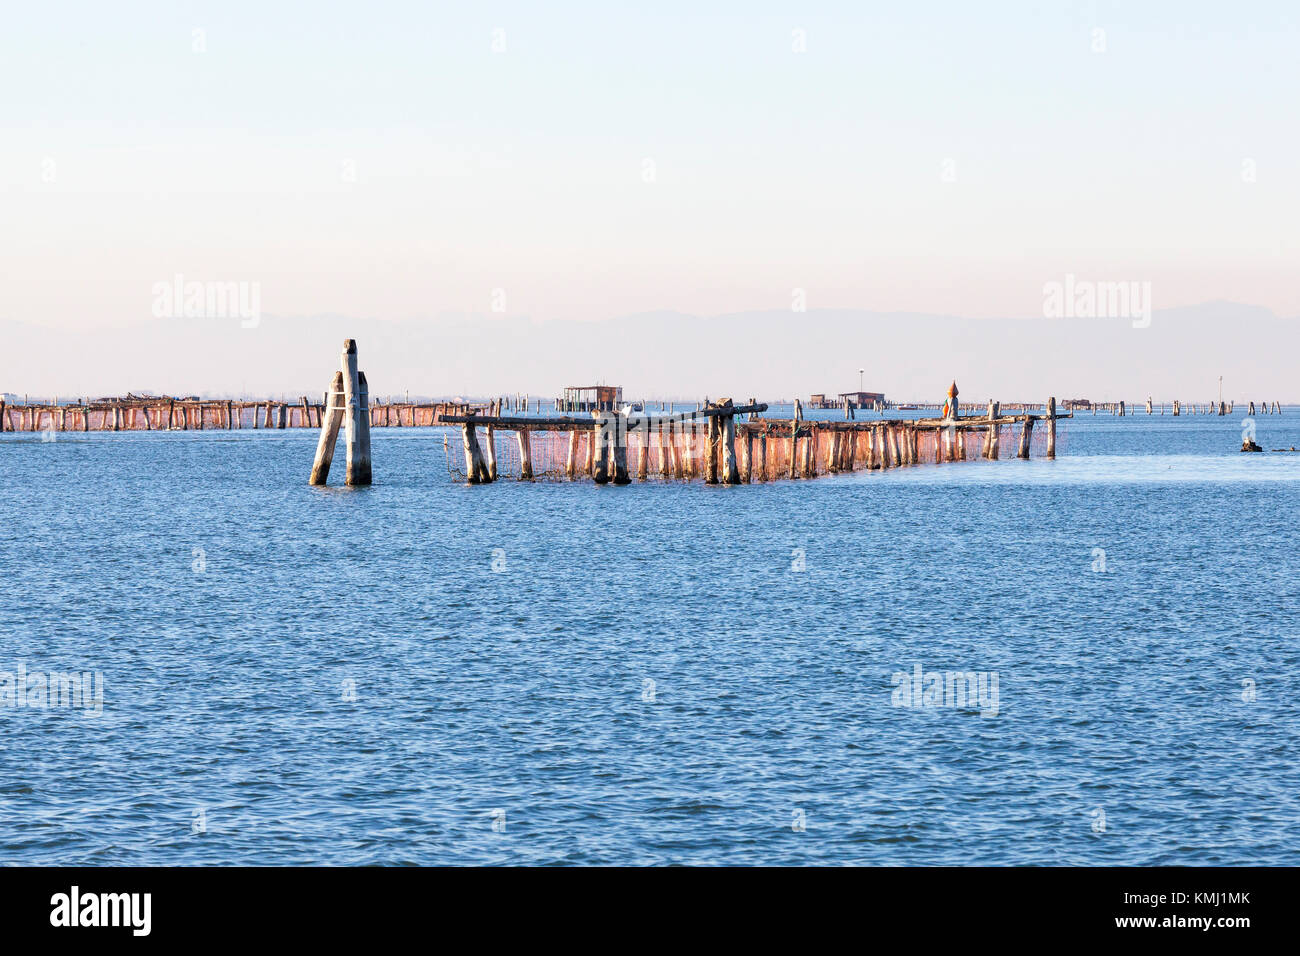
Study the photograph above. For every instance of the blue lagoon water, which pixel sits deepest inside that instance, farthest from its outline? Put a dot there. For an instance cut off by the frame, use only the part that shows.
(426, 673)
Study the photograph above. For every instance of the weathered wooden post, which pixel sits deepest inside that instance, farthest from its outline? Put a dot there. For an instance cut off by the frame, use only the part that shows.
(490, 443)
(329, 431)
(643, 447)
(363, 433)
(358, 462)
(712, 445)
(600, 464)
(475, 467)
(525, 455)
(619, 441)
(1051, 428)
(571, 464)
(988, 432)
(281, 417)
(727, 428)
(794, 442)
(1026, 433)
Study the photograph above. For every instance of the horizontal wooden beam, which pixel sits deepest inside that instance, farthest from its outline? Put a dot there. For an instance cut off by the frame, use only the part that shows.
(567, 422)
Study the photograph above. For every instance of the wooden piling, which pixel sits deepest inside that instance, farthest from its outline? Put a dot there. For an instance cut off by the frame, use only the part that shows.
(1026, 434)
(600, 465)
(490, 451)
(1051, 428)
(643, 451)
(619, 441)
(329, 431)
(525, 455)
(571, 463)
(358, 472)
(712, 447)
(475, 469)
(364, 467)
(730, 470)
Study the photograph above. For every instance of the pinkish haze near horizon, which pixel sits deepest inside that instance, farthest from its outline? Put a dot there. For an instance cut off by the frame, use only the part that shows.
(531, 170)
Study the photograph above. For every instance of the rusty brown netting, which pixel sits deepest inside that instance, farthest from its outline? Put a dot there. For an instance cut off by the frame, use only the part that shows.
(763, 450)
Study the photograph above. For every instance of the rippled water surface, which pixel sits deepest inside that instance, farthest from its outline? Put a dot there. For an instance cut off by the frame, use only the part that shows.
(304, 675)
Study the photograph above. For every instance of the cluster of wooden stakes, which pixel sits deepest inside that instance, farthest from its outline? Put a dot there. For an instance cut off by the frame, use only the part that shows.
(348, 404)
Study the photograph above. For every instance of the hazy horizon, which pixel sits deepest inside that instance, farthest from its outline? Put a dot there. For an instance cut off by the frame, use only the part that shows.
(776, 354)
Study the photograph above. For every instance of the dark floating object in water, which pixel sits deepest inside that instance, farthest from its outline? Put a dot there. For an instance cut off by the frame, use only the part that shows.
(1292, 448)
(1248, 444)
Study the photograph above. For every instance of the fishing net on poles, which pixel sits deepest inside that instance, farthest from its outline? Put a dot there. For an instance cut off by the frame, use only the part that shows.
(679, 453)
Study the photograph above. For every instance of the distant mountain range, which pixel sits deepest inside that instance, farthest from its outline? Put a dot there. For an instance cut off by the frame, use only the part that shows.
(659, 355)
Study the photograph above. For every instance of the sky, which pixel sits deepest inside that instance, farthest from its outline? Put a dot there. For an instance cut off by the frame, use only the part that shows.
(427, 162)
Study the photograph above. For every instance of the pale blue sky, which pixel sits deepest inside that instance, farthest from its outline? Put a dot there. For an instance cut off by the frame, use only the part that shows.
(128, 157)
